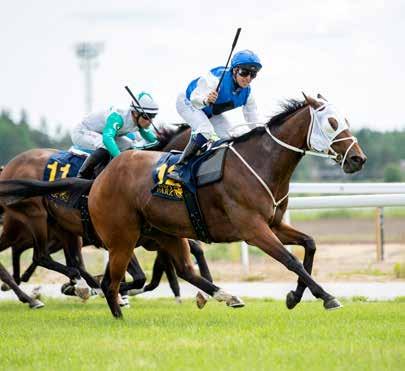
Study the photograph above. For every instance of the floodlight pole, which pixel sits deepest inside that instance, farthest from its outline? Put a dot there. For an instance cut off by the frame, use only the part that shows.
(87, 53)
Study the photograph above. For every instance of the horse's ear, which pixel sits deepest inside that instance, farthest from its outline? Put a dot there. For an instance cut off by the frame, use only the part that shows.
(311, 101)
(320, 96)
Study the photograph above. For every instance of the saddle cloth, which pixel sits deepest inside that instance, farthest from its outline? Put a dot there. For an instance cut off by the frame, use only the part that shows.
(60, 165)
(199, 171)
(202, 170)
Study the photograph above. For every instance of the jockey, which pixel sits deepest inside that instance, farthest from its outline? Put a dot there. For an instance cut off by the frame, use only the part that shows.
(105, 132)
(202, 107)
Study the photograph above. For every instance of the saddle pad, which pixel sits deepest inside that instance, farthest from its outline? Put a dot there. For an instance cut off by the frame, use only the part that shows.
(201, 170)
(62, 165)
(164, 187)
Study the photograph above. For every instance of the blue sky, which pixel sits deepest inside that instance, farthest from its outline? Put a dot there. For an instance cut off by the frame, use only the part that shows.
(350, 51)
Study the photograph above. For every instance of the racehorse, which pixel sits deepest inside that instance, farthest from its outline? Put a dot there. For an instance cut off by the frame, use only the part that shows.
(33, 302)
(247, 204)
(18, 230)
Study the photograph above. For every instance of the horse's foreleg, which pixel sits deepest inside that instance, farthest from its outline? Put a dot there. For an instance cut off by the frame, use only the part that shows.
(171, 276)
(22, 296)
(290, 236)
(267, 241)
(138, 278)
(198, 253)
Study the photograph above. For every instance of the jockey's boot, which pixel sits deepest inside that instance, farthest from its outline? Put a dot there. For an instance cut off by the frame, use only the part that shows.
(98, 156)
(191, 149)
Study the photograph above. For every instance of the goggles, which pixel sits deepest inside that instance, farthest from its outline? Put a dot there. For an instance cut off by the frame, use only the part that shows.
(147, 116)
(244, 72)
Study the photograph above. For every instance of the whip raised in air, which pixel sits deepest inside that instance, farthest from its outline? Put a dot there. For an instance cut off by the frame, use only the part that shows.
(235, 40)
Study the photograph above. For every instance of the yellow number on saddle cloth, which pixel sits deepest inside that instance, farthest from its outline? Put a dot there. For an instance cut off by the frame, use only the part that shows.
(167, 186)
(64, 171)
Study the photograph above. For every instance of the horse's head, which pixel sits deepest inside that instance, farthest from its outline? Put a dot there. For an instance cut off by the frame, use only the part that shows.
(329, 132)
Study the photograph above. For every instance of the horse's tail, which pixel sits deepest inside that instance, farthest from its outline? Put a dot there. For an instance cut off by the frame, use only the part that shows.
(12, 191)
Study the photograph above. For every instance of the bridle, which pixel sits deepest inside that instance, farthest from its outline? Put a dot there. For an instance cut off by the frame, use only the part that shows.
(329, 152)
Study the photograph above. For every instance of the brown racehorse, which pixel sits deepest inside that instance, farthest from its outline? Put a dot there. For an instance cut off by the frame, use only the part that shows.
(247, 204)
(10, 282)
(52, 235)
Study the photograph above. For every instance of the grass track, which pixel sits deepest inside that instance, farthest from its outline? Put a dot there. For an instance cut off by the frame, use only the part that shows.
(159, 334)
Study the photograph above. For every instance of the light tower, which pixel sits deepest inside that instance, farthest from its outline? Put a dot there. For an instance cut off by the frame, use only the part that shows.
(88, 52)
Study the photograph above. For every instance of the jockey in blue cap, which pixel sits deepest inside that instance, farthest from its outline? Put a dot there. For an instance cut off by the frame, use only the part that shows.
(202, 107)
(105, 132)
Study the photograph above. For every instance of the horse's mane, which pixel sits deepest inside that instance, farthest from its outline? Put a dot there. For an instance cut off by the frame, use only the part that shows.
(288, 108)
(167, 133)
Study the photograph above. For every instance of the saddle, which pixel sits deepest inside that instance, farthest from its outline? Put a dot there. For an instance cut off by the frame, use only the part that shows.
(200, 171)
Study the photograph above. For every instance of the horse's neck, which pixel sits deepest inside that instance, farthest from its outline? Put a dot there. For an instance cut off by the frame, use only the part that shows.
(274, 163)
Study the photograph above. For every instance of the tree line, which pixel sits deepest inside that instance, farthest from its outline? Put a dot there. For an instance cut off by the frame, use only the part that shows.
(385, 151)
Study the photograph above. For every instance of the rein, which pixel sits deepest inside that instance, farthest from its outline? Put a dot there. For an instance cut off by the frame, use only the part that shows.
(335, 156)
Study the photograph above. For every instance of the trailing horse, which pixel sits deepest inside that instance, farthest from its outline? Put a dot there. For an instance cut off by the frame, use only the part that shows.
(247, 204)
(36, 223)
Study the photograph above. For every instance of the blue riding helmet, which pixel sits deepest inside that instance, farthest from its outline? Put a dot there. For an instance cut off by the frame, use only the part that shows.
(246, 59)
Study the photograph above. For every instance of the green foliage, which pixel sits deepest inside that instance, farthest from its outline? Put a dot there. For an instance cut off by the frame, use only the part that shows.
(19, 137)
(392, 173)
(399, 270)
(162, 335)
(380, 148)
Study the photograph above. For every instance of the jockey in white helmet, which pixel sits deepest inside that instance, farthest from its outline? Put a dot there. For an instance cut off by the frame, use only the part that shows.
(105, 132)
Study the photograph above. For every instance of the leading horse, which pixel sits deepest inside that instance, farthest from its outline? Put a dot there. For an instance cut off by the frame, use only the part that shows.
(247, 204)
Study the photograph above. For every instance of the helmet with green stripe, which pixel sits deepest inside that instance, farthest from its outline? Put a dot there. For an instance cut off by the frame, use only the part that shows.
(146, 104)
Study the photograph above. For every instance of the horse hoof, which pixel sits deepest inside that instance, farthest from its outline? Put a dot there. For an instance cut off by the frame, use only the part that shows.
(5, 287)
(200, 300)
(291, 300)
(235, 302)
(332, 304)
(83, 293)
(178, 300)
(36, 304)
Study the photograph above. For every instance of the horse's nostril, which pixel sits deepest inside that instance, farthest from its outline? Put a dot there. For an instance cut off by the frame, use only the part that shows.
(358, 159)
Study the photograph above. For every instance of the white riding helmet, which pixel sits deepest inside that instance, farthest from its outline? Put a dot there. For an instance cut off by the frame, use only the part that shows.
(146, 104)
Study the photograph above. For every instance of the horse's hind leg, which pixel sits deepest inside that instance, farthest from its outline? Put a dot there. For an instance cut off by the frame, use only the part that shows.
(22, 296)
(290, 236)
(266, 240)
(119, 256)
(180, 252)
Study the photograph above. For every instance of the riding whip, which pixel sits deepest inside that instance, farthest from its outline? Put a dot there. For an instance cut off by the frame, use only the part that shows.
(143, 112)
(235, 40)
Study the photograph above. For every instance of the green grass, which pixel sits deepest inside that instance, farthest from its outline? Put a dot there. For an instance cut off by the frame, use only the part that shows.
(158, 334)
